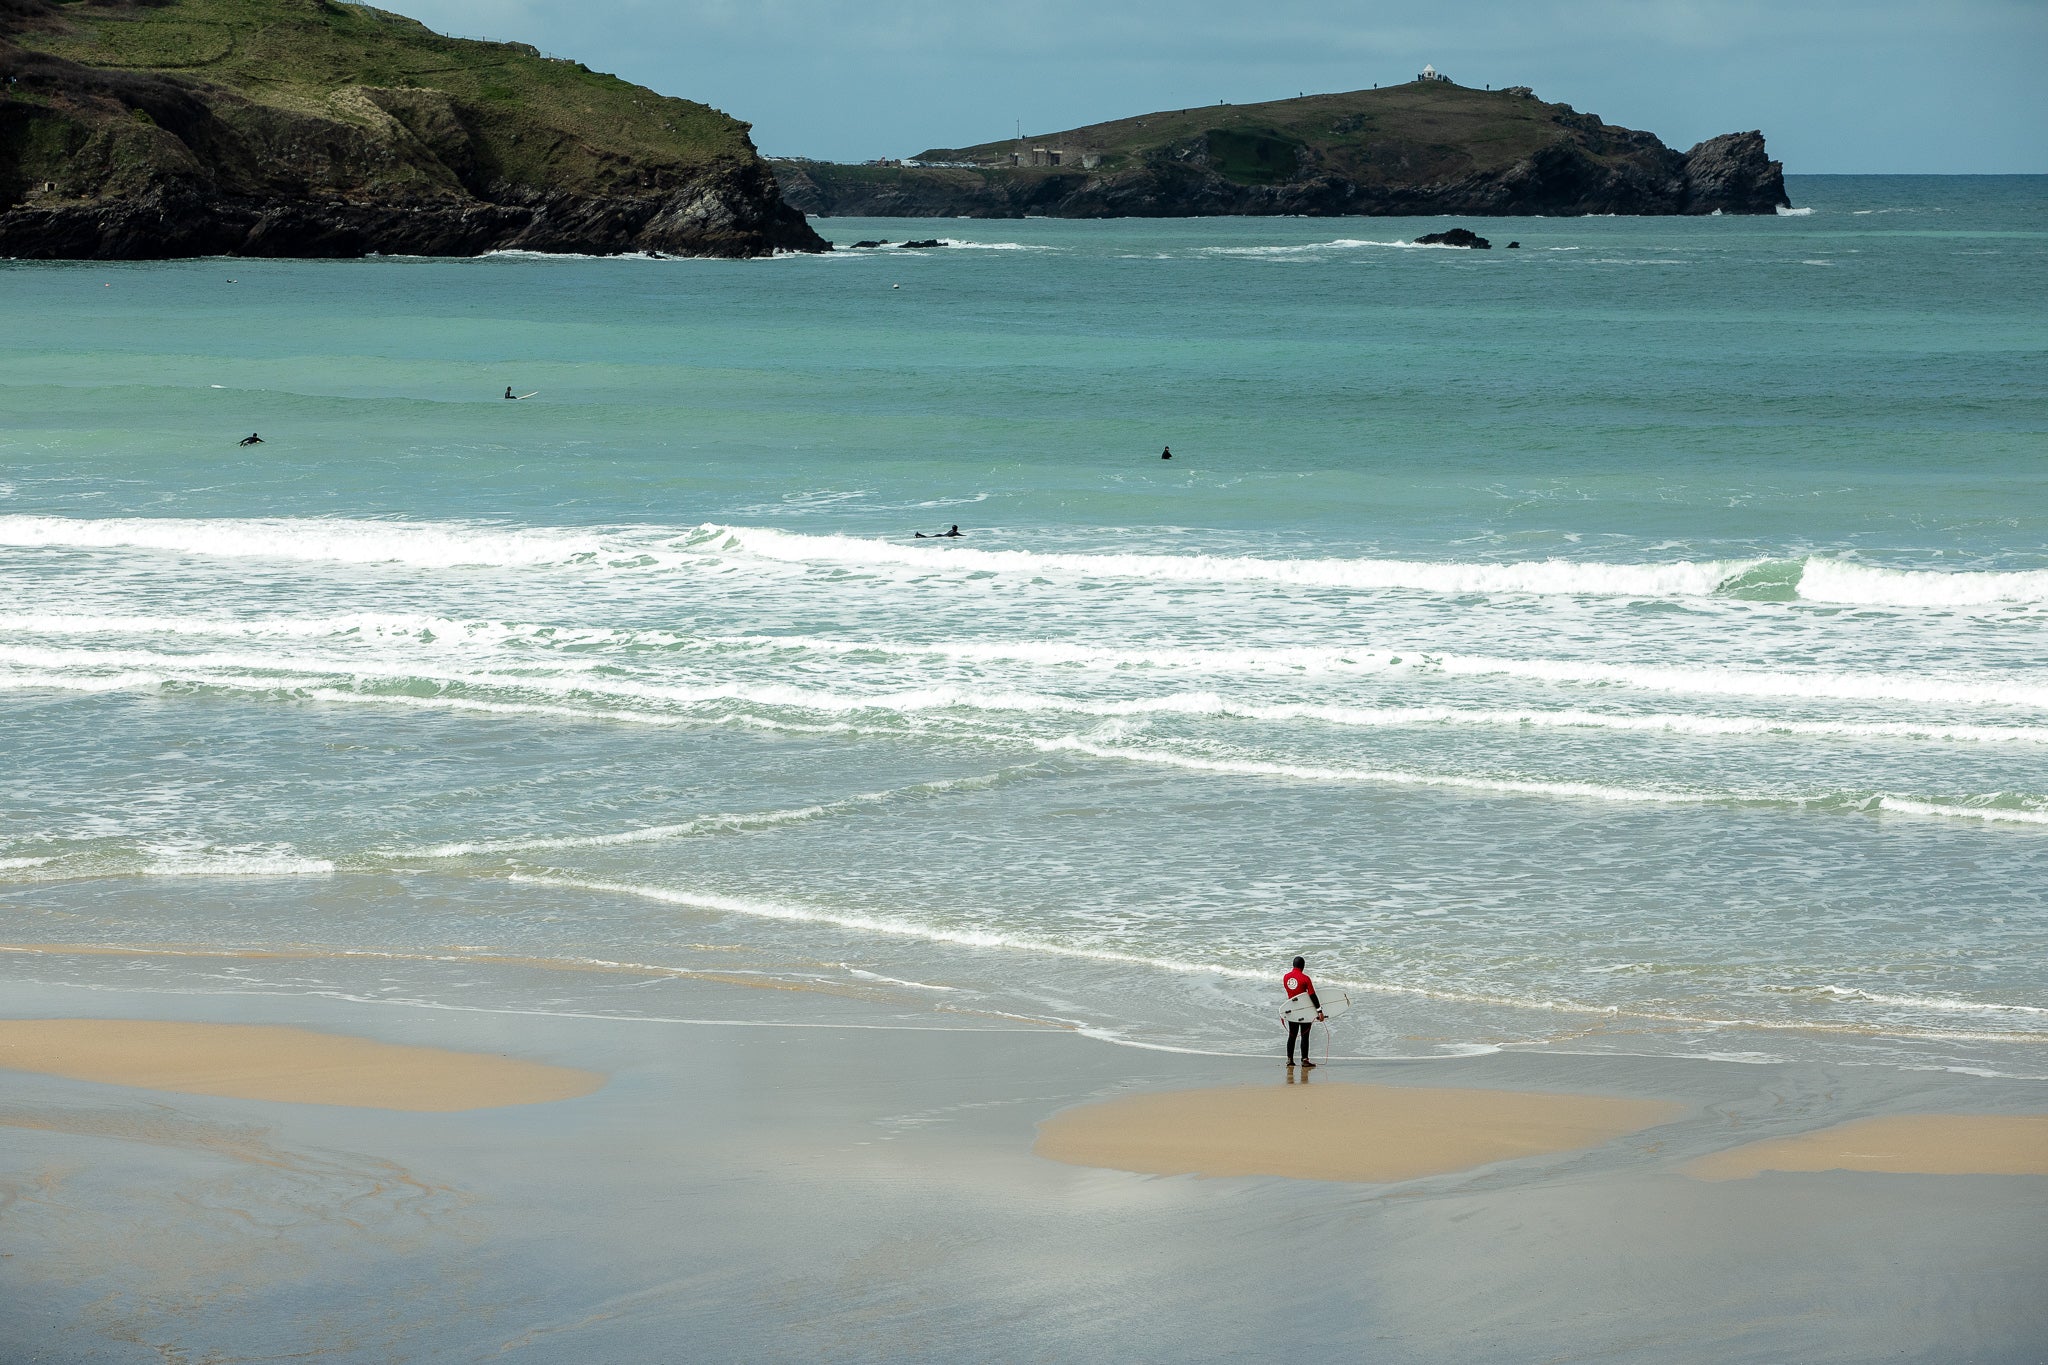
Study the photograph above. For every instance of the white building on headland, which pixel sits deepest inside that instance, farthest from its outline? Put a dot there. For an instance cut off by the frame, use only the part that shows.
(1430, 73)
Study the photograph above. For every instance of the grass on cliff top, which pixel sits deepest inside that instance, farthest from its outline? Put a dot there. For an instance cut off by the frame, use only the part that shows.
(1421, 129)
(541, 116)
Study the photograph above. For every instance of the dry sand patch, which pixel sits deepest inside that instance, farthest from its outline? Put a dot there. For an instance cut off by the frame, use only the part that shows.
(1900, 1144)
(271, 1062)
(1335, 1130)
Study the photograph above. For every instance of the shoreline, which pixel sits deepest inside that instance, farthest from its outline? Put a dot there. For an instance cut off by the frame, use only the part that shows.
(886, 1140)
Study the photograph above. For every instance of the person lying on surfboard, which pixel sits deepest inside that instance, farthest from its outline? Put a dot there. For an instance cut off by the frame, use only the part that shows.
(1297, 983)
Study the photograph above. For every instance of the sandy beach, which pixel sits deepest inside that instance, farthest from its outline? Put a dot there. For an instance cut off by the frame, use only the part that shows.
(783, 1175)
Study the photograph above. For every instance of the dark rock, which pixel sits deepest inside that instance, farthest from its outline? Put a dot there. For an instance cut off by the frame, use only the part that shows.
(924, 245)
(1455, 237)
(1733, 174)
(730, 214)
(863, 246)
(1513, 245)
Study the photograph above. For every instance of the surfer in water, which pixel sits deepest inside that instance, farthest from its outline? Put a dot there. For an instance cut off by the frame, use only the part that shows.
(955, 534)
(1297, 983)
(1166, 454)
(252, 439)
(511, 395)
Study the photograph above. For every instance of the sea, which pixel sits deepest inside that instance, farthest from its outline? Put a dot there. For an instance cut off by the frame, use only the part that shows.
(1634, 641)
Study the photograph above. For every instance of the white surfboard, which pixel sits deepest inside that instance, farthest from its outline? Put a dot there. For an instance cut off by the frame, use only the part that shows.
(517, 396)
(1300, 1011)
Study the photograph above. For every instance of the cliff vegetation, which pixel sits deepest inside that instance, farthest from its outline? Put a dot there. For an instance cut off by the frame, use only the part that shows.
(142, 128)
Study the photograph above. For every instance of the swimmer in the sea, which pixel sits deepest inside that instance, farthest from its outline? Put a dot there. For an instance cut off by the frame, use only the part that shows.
(953, 534)
(1166, 454)
(252, 439)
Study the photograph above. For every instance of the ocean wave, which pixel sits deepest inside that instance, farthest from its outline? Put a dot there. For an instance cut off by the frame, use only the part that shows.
(180, 861)
(450, 545)
(1310, 660)
(430, 545)
(580, 647)
(2018, 815)
(1552, 576)
(103, 670)
(1758, 578)
(917, 710)
(1832, 580)
(1945, 1004)
(1785, 212)
(713, 824)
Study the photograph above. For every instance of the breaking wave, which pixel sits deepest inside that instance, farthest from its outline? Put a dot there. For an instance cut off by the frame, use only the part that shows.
(456, 545)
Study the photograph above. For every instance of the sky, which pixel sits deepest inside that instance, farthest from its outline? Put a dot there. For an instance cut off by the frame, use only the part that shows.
(1837, 86)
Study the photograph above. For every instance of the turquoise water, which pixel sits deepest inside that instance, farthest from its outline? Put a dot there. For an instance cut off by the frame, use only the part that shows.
(1632, 641)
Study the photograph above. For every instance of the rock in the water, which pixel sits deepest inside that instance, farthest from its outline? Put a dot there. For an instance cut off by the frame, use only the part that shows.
(1732, 174)
(926, 244)
(1455, 237)
(1513, 245)
(864, 246)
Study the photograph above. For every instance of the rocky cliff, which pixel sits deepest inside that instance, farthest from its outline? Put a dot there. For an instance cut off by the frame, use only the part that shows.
(1426, 148)
(138, 129)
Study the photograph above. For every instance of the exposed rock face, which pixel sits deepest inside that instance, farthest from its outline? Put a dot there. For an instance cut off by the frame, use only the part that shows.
(140, 164)
(731, 214)
(1730, 173)
(1465, 237)
(1431, 148)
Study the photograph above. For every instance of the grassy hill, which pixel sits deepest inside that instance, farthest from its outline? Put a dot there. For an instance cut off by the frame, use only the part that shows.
(1429, 146)
(1421, 130)
(311, 102)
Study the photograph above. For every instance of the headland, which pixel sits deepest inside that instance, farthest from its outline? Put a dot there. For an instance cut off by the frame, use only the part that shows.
(1427, 147)
(133, 130)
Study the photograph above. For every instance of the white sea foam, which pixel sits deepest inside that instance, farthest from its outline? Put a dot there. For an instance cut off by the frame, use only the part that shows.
(994, 246)
(1946, 1004)
(174, 861)
(1831, 580)
(452, 545)
(436, 545)
(129, 669)
(1938, 689)
(1248, 767)
(1996, 814)
(1307, 248)
(1784, 212)
(710, 824)
(1552, 576)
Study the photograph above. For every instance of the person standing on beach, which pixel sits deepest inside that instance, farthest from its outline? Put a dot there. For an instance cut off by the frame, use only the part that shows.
(1297, 983)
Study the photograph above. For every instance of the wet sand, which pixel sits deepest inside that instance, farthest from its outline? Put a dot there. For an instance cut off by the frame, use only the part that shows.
(1898, 1144)
(857, 1182)
(1330, 1130)
(291, 1065)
